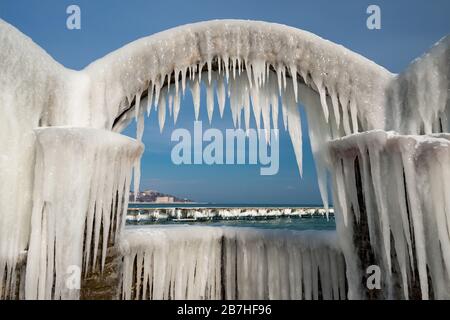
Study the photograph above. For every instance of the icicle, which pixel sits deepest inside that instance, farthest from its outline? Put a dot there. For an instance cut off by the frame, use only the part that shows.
(210, 100)
(279, 75)
(241, 264)
(345, 121)
(176, 107)
(140, 126)
(209, 66)
(354, 115)
(195, 90)
(150, 99)
(335, 103)
(248, 69)
(323, 98)
(294, 127)
(274, 103)
(162, 112)
(221, 94)
(183, 80)
(256, 106)
(177, 79)
(137, 106)
(265, 112)
(247, 109)
(293, 70)
(170, 104)
(233, 66)
(227, 69)
(157, 92)
(59, 223)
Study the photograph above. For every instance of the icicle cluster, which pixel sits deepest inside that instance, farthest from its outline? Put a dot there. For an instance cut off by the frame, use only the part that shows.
(184, 262)
(254, 88)
(254, 64)
(28, 76)
(404, 197)
(82, 178)
(231, 47)
(418, 99)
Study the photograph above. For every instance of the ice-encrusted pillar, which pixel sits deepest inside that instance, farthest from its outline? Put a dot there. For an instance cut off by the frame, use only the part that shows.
(82, 178)
(392, 201)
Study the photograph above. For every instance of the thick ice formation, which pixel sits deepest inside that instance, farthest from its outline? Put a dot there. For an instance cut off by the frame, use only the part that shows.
(80, 200)
(251, 62)
(400, 185)
(418, 99)
(254, 64)
(185, 262)
(29, 80)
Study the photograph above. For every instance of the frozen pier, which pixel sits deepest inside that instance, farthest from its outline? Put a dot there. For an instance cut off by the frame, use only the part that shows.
(214, 213)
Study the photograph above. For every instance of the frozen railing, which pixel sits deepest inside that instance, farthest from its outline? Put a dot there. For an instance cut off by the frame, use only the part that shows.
(190, 262)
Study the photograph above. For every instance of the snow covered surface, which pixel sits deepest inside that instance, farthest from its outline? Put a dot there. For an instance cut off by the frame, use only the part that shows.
(404, 183)
(189, 262)
(82, 179)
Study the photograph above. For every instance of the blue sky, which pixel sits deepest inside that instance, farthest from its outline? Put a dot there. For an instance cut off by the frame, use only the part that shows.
(408, 29)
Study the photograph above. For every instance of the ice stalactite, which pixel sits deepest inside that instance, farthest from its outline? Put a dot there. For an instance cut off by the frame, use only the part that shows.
(403, 194)
(183, 262)
(81, 187)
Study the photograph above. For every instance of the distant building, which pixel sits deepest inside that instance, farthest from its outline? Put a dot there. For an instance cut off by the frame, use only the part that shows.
(164, 199)
(156, 197)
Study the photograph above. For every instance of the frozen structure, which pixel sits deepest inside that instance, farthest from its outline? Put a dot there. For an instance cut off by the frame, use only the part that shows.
(59, 135)
(181, 262)
(204, 214)
(399, 183)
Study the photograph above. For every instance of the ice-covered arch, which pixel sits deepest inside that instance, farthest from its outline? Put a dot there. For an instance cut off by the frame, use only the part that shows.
(254, 63)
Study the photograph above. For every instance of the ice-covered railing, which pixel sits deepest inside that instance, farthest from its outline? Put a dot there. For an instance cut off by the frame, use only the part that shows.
(399, 186)
(80, 200)
(232, 47)
(186, 262)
